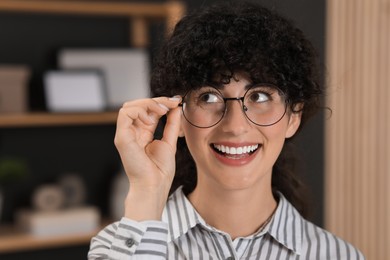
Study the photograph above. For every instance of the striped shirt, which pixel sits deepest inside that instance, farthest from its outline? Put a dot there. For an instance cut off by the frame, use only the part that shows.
(183, 234)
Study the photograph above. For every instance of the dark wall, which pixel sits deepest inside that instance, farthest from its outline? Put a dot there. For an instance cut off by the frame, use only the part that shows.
(35, 39)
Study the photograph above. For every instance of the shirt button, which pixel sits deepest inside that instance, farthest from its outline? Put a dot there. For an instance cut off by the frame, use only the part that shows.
(130, 242)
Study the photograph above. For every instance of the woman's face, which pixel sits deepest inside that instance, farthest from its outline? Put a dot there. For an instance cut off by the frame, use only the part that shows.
(258, 146)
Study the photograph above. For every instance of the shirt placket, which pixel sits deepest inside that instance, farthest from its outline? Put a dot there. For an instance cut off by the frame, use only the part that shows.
(224, 246)
(240, 246)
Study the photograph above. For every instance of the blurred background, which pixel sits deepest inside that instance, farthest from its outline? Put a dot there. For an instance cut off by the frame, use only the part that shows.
(60, 174)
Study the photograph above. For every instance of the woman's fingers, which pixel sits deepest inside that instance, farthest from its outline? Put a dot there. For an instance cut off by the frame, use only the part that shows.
(172, 128)
(138, 119)
(152, 103)
(149, 111)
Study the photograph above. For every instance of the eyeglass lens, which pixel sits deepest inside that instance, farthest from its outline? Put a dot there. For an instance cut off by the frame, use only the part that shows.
(263, 105)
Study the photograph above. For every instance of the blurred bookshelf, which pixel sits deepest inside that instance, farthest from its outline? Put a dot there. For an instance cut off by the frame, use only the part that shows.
(140, 15)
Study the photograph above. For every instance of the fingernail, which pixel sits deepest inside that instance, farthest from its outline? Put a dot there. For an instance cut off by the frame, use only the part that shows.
(163, 106)
(175, 98)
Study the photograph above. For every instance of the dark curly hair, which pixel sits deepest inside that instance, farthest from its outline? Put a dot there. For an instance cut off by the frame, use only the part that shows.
(212, 45)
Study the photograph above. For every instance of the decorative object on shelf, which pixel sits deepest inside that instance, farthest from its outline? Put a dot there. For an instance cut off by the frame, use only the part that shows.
(119, 190)
(126, 71)
(13, 88)
(11, 169)
(73, 188)
(75, 91)
(59, 209)
(48, 197)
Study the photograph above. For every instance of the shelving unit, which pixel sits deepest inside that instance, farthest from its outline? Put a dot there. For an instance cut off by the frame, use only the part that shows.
(139, 15)
(56, 119)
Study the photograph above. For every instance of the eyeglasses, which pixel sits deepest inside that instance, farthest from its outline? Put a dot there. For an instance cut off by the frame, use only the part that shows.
(262, 104)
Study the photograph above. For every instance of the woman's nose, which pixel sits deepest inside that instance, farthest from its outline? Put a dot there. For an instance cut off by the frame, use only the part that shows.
(234, 120)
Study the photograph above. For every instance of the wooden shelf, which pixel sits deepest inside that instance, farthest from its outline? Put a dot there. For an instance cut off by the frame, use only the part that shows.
(105, 8)
(13, 240)
(56, 119)
(170, 12)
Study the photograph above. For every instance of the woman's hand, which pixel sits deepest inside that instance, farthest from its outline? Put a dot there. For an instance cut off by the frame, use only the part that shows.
(148, 163)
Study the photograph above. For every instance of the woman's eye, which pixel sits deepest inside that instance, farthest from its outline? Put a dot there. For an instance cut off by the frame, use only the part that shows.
(259, 97)
(209, 98)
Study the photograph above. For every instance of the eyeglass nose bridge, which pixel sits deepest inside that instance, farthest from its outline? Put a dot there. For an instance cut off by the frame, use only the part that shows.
(244, 108)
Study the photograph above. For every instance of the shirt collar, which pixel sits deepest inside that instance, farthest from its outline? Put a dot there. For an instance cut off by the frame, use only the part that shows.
(285, 226)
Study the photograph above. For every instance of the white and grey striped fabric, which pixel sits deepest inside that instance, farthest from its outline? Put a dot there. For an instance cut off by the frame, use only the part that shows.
(183, 234)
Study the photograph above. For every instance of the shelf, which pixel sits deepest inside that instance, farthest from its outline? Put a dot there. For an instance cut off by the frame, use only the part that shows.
(13, 240)
(106, 8)
(56, 119)
(170, 11)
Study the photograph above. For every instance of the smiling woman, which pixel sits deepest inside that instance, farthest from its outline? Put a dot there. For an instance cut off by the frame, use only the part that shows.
(235, 82)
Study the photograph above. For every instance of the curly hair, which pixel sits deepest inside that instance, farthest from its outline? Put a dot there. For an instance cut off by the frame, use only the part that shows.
(212, 45)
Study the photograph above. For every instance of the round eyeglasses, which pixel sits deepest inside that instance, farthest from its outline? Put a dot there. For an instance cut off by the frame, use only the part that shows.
(262, 104)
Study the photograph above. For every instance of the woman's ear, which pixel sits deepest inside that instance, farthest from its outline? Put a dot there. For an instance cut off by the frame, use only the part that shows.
(294, 120)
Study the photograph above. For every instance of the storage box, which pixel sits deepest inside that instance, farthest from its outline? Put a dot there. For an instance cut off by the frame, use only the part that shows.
(61, 222)
(75, 91)
(13, 88)
(126, 71)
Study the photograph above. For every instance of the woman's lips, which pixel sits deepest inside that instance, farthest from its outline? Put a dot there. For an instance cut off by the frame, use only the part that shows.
(235, 155)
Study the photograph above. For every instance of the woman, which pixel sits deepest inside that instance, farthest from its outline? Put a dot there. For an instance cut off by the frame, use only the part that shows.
(242, 82)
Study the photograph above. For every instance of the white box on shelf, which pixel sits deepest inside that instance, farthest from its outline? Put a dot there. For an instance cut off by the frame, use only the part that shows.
(75, 91)
(126, 71)
(60, 222)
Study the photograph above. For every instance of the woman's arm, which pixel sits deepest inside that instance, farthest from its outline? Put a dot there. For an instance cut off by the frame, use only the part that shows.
(148, 163)
(150, 167)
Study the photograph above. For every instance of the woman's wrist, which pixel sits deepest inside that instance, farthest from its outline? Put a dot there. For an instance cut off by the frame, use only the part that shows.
(143, 204)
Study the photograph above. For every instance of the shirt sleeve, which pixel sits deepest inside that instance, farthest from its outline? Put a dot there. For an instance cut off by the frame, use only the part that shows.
(128, 239)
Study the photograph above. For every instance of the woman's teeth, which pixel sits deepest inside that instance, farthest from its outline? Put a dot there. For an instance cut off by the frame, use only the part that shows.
(235, 150)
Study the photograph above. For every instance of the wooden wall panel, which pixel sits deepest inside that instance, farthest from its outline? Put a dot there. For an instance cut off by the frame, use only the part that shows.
(357, 134)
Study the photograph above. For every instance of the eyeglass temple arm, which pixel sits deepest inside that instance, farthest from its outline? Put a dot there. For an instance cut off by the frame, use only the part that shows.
(224, 99)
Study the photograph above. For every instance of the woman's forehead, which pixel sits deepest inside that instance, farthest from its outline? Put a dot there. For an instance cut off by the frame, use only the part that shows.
(237, 79)
(221, 81)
